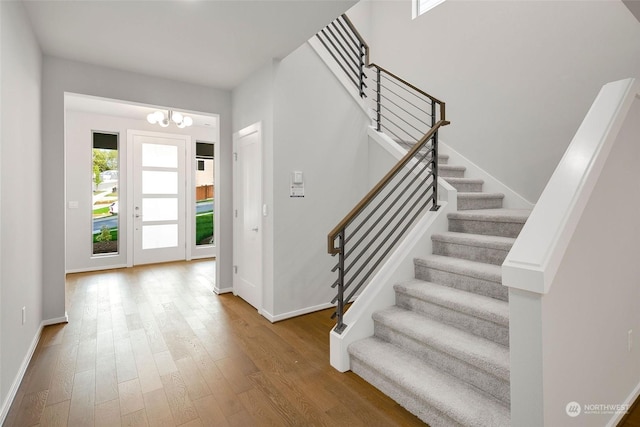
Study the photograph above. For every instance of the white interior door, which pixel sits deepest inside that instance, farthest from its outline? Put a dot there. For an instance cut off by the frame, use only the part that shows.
(247, 279)
(159, 205)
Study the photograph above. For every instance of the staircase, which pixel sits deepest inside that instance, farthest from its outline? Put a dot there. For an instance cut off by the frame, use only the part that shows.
(442, 351)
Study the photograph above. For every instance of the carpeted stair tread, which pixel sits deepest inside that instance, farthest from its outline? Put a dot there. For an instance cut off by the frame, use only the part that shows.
(480, 306)
(475, 240)
(452, 179)
(494, 215)
(396, 370)
(451, 171)
(489, 249)
(465, 184)
(479, 195)
(478, 270)
(479, 200)
(476, 351)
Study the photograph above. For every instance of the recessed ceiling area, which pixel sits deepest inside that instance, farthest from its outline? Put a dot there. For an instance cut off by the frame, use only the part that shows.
(112, 107)
(207, 42)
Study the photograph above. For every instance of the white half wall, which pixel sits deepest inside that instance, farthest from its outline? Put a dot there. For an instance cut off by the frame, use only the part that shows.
(573, 276)
(517, 76)
(60, 76)
(21, 211)
(594, 301)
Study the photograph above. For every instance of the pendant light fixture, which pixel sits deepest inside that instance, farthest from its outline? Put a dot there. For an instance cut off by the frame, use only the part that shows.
(179, 119)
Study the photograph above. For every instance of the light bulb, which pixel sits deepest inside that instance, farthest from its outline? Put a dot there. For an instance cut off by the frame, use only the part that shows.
(151, 118)
(176, 117)
(188, 121)
(159, 116)
(164, 123)
(181, 125)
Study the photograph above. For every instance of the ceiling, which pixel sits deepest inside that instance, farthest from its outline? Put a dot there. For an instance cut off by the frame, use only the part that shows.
(214, 43)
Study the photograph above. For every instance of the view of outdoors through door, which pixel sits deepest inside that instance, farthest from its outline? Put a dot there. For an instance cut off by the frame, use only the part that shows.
(105, 193)
(205, 194)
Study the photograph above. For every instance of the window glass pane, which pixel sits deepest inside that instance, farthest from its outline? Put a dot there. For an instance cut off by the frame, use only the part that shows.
(424, 6)
(205, 193)
(105, 185)
(161, 156)
(159, 182)
(159, 236)
(165, 209)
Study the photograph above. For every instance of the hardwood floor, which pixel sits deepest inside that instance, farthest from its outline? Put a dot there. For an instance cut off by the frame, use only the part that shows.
(154, 346)
(632, 418)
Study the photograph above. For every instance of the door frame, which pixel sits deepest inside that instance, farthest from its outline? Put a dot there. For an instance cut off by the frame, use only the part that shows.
(254, 128)
(130, 190)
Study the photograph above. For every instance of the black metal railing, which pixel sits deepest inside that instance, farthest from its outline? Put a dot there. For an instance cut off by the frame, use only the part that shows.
(410, 116)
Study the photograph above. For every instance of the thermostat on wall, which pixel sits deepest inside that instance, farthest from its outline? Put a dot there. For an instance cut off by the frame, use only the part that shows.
(297, 184)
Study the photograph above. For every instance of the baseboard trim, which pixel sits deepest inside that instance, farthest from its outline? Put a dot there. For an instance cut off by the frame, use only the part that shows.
(219, 291)
(284, 316)
(13, 391)
(97, 268)
(56, 320)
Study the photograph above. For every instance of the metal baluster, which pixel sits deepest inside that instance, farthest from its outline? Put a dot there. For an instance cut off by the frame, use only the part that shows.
(434, 171)
(378, 99)
(361, 49)
(340, 326)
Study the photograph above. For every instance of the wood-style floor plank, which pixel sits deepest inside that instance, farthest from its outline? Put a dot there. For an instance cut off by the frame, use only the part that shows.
(56, 415)
(154, 346)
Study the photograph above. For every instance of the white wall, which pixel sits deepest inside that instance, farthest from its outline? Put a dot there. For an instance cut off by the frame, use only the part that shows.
(311, 124)
(78, 174)
(21, 194)
(60, 76)
(253, 103)
(517, 77)
(321, 131)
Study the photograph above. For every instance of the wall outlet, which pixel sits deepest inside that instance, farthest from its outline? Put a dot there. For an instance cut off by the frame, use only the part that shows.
(24, 315)
(630, 339)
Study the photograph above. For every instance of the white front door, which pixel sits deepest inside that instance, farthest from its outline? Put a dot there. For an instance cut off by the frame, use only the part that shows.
(247, 242)
(159, 197)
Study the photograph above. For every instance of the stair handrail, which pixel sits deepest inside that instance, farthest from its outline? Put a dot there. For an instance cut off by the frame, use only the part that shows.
(342, 40)
(366, 200)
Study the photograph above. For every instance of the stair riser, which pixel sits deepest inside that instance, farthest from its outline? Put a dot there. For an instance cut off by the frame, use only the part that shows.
(462, 282)
(467, 187)
(488, 228)
(416, 406)
(451, 173)
(465, 204)
(472, 253)
(482, 380)
(466, 322)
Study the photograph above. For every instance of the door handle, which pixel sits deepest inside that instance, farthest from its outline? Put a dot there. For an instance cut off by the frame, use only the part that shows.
(255, 229)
